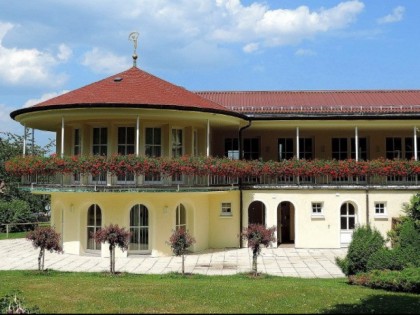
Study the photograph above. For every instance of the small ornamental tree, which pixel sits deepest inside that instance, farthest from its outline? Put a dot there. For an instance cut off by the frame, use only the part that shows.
(258, 235)
(179, 241)
(114, 236)
(44, 238)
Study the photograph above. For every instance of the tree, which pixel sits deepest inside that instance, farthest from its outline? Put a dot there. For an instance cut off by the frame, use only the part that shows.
(258, 235)
(114, 236)
(44, 238)
(179, 241)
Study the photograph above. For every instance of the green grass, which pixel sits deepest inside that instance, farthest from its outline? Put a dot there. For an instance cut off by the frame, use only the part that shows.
(3, 236)
(69, 292)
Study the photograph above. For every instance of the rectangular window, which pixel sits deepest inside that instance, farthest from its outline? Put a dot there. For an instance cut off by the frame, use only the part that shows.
(362, 151)
(409, 148)
(380, 208)
(285, 148)
(305, 148)
(393, 148)
(126, 140)
(153, 142)
(339, 148)
(100, 141)
(76, 147)
(251, 148)
(232, 148)
(317, 208)
(226, 209)
(177, 150)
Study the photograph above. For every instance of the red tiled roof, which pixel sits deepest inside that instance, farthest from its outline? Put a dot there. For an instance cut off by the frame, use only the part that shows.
(133, 87)
(317, 101)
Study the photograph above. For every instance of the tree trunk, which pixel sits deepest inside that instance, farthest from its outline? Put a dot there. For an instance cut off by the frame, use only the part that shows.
(254, 261)
(40, 259)
(43, 258)
(113, 259)
(111, 270)
(183, 269)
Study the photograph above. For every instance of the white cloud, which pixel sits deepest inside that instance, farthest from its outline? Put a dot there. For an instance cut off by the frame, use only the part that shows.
(396, 16)
(305, 52)
(6, 123)
(64, 52)
(251, 47)
(44, 97)
(28, 66)
(102, 61)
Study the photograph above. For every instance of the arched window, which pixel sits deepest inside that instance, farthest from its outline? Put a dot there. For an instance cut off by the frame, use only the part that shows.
(347, 216)
(256, 213)
(181, 217)
(94, 223)
(139, 228)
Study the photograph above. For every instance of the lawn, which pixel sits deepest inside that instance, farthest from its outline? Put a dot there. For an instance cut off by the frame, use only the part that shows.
(4, 236)
(70, 292)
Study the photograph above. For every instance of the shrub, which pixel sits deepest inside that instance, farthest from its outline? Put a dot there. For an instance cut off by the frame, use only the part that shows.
(13, 304)
(385, 258)
(406, 280)
(115, 237)
(44, 238)
(15, 211)
(180, 241)
(258, 235)
(366, 241)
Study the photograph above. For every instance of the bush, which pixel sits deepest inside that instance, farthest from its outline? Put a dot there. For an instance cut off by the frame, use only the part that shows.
(15, 211)
(386, 259)
(406, 280)
(366, 241)
(13, 304)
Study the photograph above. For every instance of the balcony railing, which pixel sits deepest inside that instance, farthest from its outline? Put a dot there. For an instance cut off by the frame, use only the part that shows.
(130, 172)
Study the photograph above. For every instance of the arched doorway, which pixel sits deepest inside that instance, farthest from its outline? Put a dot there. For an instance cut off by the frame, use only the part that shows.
(256, 213)
(285, 223)
(139, 229)
(348, 221)
(94, 223)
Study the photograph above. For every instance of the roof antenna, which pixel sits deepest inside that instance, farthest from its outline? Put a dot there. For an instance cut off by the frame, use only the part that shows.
(133, 36)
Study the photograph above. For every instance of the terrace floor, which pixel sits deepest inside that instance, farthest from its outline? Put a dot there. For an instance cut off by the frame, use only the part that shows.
(18, 254)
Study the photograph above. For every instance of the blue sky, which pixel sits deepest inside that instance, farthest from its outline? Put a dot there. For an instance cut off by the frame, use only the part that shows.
(48, 47)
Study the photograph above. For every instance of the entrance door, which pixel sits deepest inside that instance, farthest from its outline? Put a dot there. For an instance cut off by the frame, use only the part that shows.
(256, 213)
(285, 223)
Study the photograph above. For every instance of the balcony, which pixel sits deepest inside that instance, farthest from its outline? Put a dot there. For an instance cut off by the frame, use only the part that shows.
(131, 173)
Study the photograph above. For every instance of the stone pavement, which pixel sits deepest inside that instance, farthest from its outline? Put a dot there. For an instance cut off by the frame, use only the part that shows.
(18, 254)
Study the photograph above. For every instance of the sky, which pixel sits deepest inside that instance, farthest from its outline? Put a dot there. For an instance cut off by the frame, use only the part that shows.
(49, 47)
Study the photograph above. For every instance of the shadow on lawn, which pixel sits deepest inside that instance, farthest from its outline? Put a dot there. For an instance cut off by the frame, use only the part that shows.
(379, 304)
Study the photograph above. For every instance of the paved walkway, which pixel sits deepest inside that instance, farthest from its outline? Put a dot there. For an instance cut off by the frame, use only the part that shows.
(18, 254)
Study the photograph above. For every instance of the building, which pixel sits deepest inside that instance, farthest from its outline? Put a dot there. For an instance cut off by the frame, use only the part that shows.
(373, 134)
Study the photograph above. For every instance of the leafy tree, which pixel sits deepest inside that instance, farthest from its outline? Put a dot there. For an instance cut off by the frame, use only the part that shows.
(44, 238)
(15, 211)
(258, 235)
(180, 241)
(114, 236)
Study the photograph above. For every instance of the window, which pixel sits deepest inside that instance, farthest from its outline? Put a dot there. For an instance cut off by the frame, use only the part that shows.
(305, 148)
(362, 151)
(181, 218)
(153, 142)
(339, 148)
(139, 228)
(100, 141)
(94, 223)
(393, 148)
(153, 145)
(409, 148)
(251, 148)
(317, 208)
(285, 148)
(176, 143)
(347, 216)
(226, 209)
(232, 148)
(380, 208)
(76, 139)
(126, 140)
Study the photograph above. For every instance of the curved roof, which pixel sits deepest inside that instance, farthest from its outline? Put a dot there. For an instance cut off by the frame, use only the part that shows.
(131, 88)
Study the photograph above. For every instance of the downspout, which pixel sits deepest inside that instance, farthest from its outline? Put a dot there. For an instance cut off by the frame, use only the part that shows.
(241, 203)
